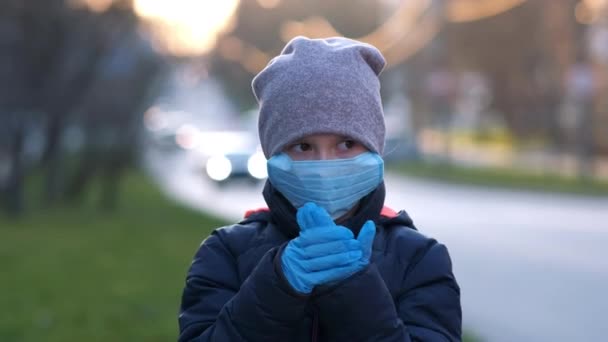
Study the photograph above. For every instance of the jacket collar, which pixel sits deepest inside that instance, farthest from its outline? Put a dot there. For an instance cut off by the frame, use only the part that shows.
(283, 214)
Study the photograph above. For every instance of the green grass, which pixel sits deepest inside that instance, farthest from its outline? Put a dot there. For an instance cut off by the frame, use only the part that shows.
(84, 275)
(506, 178)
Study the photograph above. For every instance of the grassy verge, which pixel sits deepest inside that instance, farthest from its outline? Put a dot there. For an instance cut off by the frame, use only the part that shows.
(505, 178)
(84, 275)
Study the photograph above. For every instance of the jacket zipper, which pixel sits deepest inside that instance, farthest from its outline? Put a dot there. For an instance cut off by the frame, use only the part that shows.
(315, 327)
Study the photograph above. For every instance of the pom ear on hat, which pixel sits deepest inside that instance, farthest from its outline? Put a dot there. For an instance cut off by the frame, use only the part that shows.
(321, 86)
(374, 59)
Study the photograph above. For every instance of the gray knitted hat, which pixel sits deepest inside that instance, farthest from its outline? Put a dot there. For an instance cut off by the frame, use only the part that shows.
(321, 86)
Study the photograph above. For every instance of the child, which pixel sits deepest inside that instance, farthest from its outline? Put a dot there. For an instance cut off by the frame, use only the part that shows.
(326, 261)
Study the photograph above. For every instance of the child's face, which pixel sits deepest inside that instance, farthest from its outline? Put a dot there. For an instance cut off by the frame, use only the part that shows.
(324, 147)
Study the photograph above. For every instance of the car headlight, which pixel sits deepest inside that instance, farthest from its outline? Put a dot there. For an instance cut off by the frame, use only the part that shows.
(219, 168)
(256, 165)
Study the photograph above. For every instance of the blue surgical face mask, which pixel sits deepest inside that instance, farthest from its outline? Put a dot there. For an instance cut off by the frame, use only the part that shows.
(336, 185)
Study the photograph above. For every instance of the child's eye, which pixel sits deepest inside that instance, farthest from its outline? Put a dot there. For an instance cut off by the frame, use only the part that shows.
(301, 147)
(347, 144)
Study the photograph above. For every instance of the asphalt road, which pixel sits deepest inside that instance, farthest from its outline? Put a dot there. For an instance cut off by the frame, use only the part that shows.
(532, 267)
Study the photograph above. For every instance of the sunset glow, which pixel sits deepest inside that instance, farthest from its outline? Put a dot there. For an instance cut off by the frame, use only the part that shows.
(187, 27)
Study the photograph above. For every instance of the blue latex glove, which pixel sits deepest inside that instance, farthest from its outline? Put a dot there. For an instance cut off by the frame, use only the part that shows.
(324, 252)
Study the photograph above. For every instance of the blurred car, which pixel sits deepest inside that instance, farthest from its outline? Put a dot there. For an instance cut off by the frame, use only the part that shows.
(232, 154)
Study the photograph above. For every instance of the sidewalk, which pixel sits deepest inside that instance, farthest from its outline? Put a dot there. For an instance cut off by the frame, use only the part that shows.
(538, 160)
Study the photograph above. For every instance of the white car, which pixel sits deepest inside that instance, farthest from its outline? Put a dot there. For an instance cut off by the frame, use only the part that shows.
(232, 154)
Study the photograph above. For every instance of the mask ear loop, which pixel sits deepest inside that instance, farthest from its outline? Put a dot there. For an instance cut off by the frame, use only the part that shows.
(386, 154)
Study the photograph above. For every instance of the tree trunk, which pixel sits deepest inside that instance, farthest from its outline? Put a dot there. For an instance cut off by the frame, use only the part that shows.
(51, 159)
(86, 169)
(14, 191)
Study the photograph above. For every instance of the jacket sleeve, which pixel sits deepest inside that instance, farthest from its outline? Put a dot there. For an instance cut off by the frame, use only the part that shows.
(426, 308)
(217, 307)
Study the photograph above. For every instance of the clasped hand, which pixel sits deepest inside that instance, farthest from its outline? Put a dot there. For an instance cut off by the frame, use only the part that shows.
(324, 252)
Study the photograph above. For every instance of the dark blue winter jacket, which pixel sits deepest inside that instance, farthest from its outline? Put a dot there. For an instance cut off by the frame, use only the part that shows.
(236, 291)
